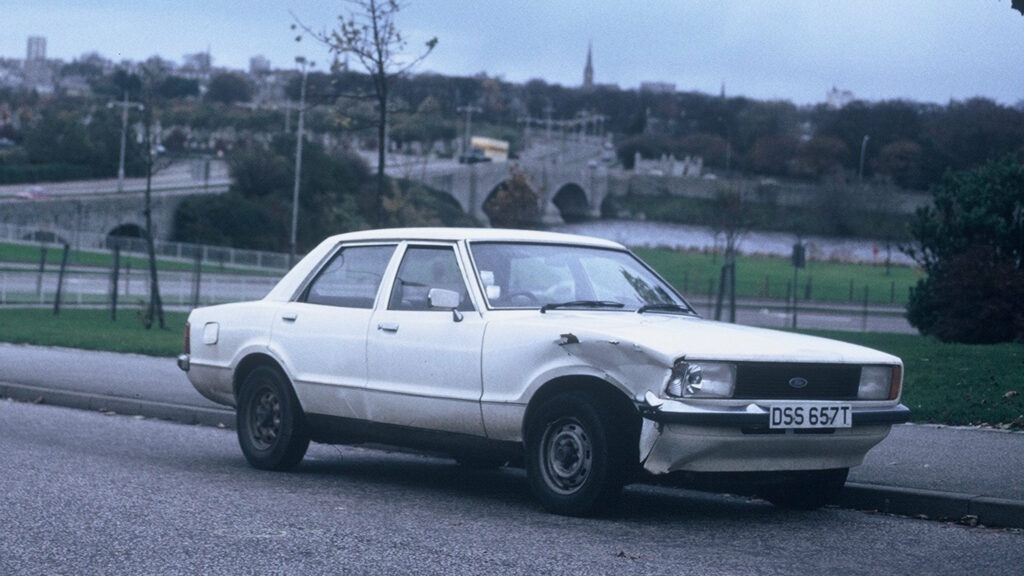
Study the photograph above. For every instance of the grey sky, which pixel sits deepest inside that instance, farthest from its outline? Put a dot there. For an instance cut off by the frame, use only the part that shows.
(924, 50)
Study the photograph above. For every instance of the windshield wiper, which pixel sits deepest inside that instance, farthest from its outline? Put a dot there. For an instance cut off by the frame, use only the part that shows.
(581, 304)
(664, 307)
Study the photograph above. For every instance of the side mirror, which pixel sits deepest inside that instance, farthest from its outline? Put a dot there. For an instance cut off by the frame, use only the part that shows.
(445, 300)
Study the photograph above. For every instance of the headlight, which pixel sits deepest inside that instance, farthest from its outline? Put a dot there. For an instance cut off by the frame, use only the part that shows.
(691, 379)
(879, 383)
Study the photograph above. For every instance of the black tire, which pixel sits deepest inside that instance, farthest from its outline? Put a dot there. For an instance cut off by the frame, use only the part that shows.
(271, 427)
(808, 490)
(578, 454)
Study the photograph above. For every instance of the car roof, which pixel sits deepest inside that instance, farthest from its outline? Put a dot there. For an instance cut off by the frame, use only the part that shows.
(474, 235)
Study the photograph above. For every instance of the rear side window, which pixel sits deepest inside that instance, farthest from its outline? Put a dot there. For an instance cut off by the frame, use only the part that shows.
(351, 278)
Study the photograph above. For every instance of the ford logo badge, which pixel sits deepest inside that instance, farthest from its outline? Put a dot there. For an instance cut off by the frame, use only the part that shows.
(798, 383)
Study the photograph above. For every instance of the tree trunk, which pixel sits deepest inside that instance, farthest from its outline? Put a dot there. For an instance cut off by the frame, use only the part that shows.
(156, 307)
(382, 133)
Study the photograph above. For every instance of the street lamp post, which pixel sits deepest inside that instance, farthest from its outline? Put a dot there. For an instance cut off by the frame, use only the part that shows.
(860, 171)
(298, 159)
(469, 125)
(125, 105)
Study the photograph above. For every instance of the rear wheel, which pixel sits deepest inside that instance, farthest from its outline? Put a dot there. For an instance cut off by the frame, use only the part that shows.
(271, 428)
(808, 490)
(577, 454)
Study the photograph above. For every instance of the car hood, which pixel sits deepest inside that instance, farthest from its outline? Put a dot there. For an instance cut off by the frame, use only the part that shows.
(672, 336)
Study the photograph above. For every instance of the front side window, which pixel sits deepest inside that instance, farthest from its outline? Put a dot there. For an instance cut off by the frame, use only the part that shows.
(424, 268)
(351, 279)
(520, 275)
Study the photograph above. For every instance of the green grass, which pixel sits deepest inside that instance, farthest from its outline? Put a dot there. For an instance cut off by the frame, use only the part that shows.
(693, 273)
(91, 329)
(956, 384)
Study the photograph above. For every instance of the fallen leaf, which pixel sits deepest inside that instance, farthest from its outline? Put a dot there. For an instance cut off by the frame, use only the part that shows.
(969, 520)
(1010, 394)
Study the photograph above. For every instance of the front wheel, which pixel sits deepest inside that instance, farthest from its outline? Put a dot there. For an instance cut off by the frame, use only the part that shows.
(577, 458)
(271, 428)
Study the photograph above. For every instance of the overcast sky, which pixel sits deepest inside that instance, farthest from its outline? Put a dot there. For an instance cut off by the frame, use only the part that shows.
(923, 50)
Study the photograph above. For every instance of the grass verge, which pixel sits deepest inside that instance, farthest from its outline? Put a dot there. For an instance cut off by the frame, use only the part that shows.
(695, 273)
(956, 384)
(91, 329)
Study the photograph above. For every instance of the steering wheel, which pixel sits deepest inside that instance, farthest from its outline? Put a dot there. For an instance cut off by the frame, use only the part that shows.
(531, 299)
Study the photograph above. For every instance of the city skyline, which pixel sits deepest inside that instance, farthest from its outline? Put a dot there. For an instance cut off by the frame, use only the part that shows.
(921, 51)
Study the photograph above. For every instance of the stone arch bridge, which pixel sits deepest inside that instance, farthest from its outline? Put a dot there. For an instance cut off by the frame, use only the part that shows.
(564, 191)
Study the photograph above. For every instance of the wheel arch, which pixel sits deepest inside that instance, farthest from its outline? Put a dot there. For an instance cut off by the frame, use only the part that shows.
(600, 389)
(250, 363)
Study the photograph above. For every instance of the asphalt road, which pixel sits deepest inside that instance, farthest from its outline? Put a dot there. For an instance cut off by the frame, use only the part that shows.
(85, 493)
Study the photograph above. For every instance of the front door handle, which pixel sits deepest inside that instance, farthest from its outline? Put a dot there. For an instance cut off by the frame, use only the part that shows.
(289, 317)
(388, 326)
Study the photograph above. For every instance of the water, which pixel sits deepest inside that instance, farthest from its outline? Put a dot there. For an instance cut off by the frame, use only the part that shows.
(683, 237)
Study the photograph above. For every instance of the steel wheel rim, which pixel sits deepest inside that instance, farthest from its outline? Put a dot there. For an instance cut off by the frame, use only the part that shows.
(567, 454)
(265, 418)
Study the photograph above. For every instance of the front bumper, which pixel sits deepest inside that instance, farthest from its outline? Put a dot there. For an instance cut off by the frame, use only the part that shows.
(752, 415)
(678, 436)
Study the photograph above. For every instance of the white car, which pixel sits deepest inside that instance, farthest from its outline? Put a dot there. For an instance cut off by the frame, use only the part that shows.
(565, 353)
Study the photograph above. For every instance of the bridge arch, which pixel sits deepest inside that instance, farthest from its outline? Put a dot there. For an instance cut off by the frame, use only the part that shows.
(127, 230)
(572, 202)
(519, 205)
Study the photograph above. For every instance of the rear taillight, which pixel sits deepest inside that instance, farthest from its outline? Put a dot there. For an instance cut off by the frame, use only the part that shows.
(188, 338)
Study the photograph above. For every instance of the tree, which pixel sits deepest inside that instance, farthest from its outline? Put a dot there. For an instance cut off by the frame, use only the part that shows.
(228, 88)
(256, 212)
(731, 221)
(151, 79)
(820, 156)
(371, 35)
(901, 161)
(173, 87)
(514, 204)
(970, 242)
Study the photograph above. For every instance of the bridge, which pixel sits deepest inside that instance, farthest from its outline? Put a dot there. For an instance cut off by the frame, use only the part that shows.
(75, 212)
(568, 181)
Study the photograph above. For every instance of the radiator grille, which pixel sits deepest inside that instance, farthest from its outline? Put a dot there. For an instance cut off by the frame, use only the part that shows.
(772, 381)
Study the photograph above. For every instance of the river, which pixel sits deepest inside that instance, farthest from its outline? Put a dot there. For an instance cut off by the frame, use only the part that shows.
(647, 234)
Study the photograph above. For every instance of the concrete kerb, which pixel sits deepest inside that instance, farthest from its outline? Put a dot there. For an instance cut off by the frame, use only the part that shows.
(220, 418)
(935, 505)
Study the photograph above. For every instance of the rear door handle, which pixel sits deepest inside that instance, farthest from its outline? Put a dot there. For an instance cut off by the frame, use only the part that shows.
(289, 317)
(388, 326)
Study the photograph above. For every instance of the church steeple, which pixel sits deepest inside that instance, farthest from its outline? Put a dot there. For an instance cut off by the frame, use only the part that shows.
(588, 70)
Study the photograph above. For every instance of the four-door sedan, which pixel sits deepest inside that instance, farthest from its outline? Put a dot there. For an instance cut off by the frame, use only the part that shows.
(562, 352)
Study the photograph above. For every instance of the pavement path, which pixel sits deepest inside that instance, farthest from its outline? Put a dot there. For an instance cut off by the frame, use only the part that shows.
(944, 473)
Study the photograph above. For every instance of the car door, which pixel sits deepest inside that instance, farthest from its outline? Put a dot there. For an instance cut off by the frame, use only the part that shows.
(321, 335)
(424, 362)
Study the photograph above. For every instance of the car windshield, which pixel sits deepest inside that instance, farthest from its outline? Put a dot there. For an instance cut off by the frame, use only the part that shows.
(549, 277)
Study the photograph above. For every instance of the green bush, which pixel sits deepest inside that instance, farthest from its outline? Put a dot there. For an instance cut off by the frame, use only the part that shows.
(970, 242)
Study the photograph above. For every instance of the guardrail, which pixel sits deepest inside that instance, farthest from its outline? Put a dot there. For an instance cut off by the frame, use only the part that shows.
(182, 251)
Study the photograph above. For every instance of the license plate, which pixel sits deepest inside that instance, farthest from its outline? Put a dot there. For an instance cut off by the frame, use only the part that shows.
(805, 415)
